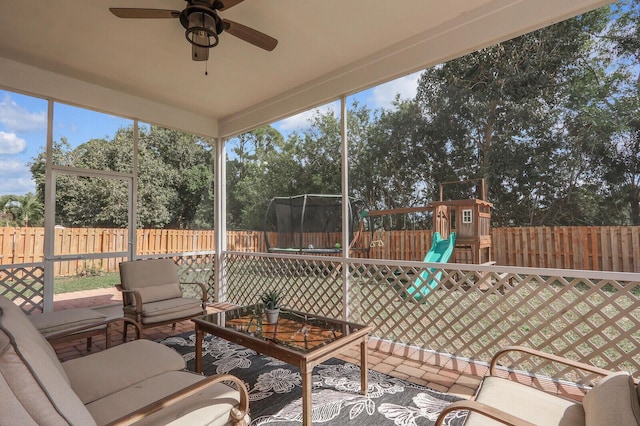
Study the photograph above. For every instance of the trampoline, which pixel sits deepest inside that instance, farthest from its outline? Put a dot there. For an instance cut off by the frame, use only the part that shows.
(308, 223)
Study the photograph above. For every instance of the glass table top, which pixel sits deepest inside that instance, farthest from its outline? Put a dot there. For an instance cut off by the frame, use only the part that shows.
(295, 330)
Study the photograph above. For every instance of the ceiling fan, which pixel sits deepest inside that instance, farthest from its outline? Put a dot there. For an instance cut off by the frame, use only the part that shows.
(202, 24)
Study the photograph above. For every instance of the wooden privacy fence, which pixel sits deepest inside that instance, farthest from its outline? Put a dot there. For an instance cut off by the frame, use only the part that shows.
(608, 248)
(594, 248)
(26, 245)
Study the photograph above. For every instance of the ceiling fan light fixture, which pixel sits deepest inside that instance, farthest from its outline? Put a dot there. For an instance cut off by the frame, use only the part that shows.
(202, 29)
(202, 24)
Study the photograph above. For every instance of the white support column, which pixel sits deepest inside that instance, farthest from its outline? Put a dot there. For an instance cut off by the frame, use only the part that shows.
(346, 211)
(133, 197)
(49, 215)
(220, 219)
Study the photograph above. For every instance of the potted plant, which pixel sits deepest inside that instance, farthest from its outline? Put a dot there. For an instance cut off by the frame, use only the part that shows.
(271, 300)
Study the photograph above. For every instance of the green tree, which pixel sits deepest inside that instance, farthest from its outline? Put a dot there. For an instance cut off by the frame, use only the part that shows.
(391, 167)
(175, 176)
(260, 167)
(31, 210)
(186, 176)
(9, 209)
(498, 112)
(621, 157)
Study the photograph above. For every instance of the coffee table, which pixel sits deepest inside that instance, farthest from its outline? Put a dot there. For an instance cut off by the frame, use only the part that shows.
(301, 339)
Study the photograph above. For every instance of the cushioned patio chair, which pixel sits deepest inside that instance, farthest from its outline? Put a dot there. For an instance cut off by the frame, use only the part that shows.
(612, 401)
(152, 294)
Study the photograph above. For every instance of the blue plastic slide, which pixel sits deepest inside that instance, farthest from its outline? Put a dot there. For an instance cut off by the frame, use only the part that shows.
(440, 252)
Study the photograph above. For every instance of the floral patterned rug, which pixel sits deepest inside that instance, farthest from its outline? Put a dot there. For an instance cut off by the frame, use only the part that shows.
(275, 389)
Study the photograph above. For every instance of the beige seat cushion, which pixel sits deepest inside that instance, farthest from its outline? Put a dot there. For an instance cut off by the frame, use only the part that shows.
(103, 373)
(67, 319)
(212, 404)
(162, 310)
(528, 403)
(613, 401)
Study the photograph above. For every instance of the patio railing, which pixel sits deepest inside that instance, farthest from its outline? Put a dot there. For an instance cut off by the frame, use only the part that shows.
(471, 312)
(24, 285)
(468, 311)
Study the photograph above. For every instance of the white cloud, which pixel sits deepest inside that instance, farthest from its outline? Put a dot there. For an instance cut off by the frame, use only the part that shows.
(12, 168)
(377, 97)
(15, 178)
(382, 95)
(10, 143)
(20, 185)
(301, 121)
(17, 118)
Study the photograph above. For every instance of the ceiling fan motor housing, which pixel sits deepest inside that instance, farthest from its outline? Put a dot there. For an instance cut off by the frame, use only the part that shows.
(202, 24)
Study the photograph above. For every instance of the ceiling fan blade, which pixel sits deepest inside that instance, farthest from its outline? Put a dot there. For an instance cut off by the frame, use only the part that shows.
(127, 12)
(250, 35)
(228, 4)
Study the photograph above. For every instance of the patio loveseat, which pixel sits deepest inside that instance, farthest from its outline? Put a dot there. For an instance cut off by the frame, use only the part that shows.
(140, 382)
(612, 401)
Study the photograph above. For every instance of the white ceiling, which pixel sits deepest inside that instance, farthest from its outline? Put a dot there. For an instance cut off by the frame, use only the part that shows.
(76, 51)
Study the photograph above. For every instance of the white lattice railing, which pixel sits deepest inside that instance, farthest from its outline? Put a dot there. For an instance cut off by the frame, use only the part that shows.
(472, 311)
(24, 285)
(308, 284)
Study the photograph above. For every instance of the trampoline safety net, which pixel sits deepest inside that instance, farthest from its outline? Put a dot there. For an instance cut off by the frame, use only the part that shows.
(309, 223)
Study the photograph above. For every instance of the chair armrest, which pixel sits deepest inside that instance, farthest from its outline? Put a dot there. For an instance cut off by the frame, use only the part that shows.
(203, 289)
(136, 296)
(237, 414)
(483, 409)
(544, 355)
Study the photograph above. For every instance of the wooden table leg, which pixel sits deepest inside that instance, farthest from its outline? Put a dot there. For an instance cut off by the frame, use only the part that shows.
(199, 336)
(364, 366)
(305, 372)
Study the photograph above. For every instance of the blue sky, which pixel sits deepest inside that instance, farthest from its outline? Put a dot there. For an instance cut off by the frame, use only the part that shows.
(377, 97)
(23, 127)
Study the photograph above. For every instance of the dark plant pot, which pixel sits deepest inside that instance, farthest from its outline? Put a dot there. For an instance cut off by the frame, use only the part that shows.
(272, 315)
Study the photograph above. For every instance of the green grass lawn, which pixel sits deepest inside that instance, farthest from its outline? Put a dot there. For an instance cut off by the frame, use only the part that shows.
(69, 284)
(62, 285)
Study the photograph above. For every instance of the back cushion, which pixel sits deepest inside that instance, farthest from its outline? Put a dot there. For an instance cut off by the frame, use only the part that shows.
(145, 273)
(148, 273)
(159, 292)
(613, 401)
(34, 387)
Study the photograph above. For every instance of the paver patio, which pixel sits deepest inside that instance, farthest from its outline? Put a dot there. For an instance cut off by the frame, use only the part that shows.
(437, 371)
